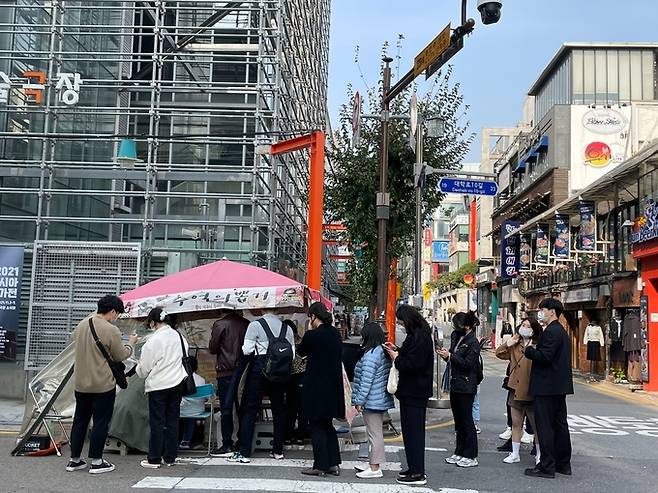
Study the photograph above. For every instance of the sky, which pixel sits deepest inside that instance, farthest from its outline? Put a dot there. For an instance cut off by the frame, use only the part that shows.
(498, 63)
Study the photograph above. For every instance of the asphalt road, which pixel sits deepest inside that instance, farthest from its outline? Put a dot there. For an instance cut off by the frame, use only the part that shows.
(615, 445)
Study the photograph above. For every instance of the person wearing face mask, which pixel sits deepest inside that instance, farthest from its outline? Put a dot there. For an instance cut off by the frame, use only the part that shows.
(520, 402)
(161, 364)
(464, 360)
(323, 398)
(550, 382)
(414, 361)
(95, 386)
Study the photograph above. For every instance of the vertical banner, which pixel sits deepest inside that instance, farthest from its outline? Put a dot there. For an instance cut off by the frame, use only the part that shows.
(525, 252)
(509, 250)
(11, 272)
(541, 252)
(587, 234)
(644, 337)
(561, 246)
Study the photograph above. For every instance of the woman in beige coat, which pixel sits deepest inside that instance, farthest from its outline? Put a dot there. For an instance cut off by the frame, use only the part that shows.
(518, 381)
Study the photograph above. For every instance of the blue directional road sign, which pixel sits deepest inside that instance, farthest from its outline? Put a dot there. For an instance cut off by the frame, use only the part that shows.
(468, 187)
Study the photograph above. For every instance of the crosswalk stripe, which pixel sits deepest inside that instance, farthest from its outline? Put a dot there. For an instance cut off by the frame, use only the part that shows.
(274, 485)
(289, 463)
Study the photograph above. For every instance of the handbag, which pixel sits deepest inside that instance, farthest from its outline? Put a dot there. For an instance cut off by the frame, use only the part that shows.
(187, 386)
(116, 367)
(393, 380)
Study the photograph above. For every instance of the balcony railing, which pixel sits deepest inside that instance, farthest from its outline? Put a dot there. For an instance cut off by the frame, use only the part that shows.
(575, 274)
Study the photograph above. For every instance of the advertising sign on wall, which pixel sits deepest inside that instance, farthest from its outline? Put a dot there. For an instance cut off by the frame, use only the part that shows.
(11, 272)
(644, 336)
(587, 233)
(561, 246)
(645, 227)
(541, 253)
(599, 138)
(440, 251)
(525, 252)
(509, 250)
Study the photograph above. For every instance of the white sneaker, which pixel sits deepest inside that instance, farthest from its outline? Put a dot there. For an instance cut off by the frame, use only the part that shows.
(527, 438)
(453, 459)
(276, 456)
(369, 474)
(464, 462)
(512, 459)
(506, 435)
(478, 430)
(149, 465)
(239, 458)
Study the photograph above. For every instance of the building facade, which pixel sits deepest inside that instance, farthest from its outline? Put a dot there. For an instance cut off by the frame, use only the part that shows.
(558, 231)
(138, 122)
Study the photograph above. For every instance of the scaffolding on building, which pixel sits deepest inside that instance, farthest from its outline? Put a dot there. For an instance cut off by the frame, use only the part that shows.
(197, 86)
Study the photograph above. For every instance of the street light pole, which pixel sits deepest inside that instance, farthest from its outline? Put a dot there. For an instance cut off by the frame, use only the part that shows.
(418, 264)
(383, 197)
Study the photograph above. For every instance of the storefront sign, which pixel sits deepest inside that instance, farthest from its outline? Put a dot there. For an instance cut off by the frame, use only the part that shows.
(644, 336)
(510, 294)
(541, 253)
(509, 250)
(67, 86)
(525, 251)
(561, 245)
(486, 277)
(625, 293)
(440, 251)
(581, 295)
(587, 233)
(598, 142)
(645, 227)
(11, 272)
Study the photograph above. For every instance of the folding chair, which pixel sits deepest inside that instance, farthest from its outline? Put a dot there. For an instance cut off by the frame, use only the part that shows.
(51, 415)
(206, 391)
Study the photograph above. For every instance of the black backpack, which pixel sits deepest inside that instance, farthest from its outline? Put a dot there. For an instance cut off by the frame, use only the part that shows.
(279, 356)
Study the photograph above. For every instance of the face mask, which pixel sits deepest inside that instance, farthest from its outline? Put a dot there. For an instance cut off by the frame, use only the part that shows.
(541, 316)
(525, 332)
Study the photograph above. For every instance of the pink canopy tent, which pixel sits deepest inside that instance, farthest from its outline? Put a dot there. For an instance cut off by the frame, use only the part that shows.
(221, 284)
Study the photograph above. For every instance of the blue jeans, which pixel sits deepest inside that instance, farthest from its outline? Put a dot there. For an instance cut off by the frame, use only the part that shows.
(187, 424)
(476, 407)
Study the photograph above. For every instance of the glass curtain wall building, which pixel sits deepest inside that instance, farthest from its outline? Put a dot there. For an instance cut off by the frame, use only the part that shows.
(195, 86)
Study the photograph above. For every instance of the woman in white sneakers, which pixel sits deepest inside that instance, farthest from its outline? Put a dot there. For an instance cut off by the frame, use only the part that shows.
(161, 364)
(519, 400)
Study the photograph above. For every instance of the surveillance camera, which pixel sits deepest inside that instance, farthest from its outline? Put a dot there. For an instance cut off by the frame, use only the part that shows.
(490, 10)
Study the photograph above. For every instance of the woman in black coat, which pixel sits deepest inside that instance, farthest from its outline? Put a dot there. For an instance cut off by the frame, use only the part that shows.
(322, 390)
(464, 359)
(415, 362)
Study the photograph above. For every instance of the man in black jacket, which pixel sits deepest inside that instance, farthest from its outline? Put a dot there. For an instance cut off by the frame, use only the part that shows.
(550, 383)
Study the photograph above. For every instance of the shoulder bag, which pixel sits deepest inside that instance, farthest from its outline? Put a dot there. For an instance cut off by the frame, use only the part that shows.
(116, 367)
(187, 386)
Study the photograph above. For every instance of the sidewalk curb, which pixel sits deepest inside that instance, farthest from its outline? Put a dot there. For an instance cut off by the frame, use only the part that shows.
(623, 393)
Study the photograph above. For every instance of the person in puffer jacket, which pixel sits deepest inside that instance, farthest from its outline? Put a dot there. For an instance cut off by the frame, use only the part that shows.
(369, 394)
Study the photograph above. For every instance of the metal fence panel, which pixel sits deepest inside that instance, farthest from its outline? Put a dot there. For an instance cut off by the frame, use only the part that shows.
(67, 280)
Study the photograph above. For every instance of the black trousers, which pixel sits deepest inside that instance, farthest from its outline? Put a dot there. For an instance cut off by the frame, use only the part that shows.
(553, 432)
(255, 386)
(462, 412)
(296, 425)
(326, 452)
(87, 406)
(412, 420)
(164, 414)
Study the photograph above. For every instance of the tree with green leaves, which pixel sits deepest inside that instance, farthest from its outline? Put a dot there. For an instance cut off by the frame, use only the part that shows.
(353, 181)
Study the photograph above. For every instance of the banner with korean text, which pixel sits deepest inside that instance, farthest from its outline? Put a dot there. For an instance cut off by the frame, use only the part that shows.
(11, 272)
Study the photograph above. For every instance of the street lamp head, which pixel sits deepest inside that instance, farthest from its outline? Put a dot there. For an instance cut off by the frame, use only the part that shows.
(490, 10)
(435, 127)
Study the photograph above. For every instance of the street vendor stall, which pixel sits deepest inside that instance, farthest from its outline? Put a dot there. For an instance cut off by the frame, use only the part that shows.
(194, 296)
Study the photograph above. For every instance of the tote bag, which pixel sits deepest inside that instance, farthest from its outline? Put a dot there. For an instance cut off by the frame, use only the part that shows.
(393, 380)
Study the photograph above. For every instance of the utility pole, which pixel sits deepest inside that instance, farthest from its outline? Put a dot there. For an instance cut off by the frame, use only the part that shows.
(383, 197)
(432, 58)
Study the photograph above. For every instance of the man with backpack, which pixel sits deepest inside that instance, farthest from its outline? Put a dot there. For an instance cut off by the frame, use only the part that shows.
(271, 346)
